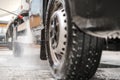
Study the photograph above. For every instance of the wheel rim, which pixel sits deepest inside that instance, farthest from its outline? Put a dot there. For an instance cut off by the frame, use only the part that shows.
(58, 36)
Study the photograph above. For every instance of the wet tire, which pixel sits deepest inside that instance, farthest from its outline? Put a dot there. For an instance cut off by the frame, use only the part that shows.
(72, 54)
(84, 56)
(16, 45)
(9, 45)
(17, 49)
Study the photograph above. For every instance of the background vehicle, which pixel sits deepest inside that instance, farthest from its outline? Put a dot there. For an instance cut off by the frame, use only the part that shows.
(14, 32)
(3, 25)
(74, 34)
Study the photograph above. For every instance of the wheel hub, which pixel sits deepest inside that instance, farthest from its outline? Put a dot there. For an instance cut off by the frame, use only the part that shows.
(58, 35)
(54, 33)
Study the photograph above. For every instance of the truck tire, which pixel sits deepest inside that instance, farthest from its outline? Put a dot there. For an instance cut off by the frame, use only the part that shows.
(9, 45)
(72, 54)
(16, 45)
(9, 42)
(17, 51)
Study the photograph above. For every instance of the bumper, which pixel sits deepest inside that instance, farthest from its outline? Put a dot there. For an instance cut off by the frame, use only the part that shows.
(96, 17)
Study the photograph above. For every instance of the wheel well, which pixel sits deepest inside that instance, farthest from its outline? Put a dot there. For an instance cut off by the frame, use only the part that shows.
(112, 44)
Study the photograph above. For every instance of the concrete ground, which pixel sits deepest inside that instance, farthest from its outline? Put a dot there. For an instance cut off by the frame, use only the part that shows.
(28, 66)
(109, 69)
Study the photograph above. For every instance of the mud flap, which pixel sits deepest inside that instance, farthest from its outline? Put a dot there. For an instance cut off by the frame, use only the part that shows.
(42, 48)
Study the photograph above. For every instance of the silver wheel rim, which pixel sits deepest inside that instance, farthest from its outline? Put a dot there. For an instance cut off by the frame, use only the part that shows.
(58, 37)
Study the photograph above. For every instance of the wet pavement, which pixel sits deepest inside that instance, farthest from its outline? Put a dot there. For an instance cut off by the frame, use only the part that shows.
(109, 69)
(28, 66)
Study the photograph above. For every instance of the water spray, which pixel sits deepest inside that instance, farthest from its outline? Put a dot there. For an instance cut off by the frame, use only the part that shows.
(19, 16)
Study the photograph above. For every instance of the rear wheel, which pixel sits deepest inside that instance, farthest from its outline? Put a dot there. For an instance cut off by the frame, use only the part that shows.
(72, 54)
(17, 49)
(16, 45)
(9, 44)
(8, 39)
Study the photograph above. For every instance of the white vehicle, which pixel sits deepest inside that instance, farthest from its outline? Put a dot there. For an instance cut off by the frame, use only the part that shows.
(3, 25)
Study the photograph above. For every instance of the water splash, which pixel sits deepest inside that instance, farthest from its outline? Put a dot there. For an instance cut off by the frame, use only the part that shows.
(28, 38)
(24, 42)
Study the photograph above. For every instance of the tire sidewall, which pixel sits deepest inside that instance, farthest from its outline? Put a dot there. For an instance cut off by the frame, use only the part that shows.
(63, 67)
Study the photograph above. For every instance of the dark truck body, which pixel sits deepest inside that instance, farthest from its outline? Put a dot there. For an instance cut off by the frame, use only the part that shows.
(96, 17)
(99, 18)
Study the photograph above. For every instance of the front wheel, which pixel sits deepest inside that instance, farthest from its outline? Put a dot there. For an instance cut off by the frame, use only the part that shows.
(72, 54)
